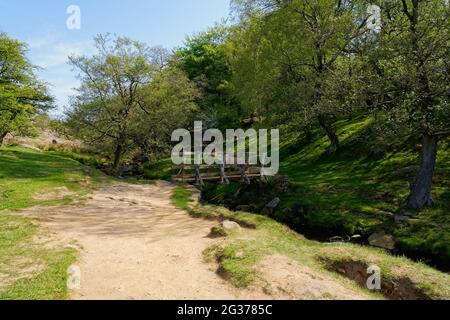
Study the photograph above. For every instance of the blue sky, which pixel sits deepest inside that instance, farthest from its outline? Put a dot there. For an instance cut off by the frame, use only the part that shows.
(42, 24)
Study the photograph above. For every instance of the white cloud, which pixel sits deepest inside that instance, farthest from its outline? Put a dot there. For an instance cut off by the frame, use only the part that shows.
(57, 54)
(43, 41)
(51, 55)
(61, 88)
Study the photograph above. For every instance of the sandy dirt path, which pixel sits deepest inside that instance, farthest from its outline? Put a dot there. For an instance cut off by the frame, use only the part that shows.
(136, 245)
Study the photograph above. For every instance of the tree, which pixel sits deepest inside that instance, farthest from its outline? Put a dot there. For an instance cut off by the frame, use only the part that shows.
(168, 105)
(124, 90)
(111, 92)
(204, 59)
(408, 70)
(296, 47)
(22, 95)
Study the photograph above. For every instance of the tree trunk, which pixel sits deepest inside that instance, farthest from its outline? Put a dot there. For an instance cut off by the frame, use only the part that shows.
(117, 158)
(420, 196)
(308, 134)
(331, 133)
(2, 137)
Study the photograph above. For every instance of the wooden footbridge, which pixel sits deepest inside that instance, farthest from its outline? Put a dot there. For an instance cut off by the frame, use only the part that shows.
(217, 173)
(222, 173)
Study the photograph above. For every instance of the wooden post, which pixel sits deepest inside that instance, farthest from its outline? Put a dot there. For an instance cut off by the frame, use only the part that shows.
(244, 177)
(261, 169)
(180, 173)
(198, 176)
(223, 177)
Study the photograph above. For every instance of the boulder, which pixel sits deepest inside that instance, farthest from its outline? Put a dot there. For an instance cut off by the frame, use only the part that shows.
(336, 239)
(355, 238)
(272, 205)
(382, 240)
(231, 225)
(281, 184)
(218, 232)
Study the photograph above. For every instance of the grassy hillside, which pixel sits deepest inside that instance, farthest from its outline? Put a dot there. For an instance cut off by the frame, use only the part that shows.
(239, 254)
(31, 265)
(357, 191)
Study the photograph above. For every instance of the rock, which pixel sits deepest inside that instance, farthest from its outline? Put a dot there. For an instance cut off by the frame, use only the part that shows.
(231, 225)
(399, 219)
(272, 205)
(355, 238)
(30, 147)
(282, 184)
(382, 240)
(218, 232)
(336, 239)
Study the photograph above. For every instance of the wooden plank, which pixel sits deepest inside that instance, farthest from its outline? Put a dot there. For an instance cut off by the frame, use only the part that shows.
(192, 166)
(212, 166)
(177, 179)
(214, 174)
(249, 168)
(204, 175)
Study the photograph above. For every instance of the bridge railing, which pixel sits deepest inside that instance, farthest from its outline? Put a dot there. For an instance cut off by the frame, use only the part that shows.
(222, 173)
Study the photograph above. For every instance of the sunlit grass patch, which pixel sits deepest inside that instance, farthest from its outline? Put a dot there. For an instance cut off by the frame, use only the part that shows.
(30, 269)
(181, 197)
(238, 255)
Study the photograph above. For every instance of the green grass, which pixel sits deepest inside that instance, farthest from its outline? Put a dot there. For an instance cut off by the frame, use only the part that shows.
(353, 191)
(345, 192)
(32, 269)
(159, 170)
(238, 254)
(24, 173)
(85, 159)
(181, 197)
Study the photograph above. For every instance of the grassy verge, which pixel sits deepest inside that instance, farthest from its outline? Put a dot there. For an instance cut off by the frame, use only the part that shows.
(181, 197)
(238, 254)
(31, 267)
(356, 192)
(359, 190)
